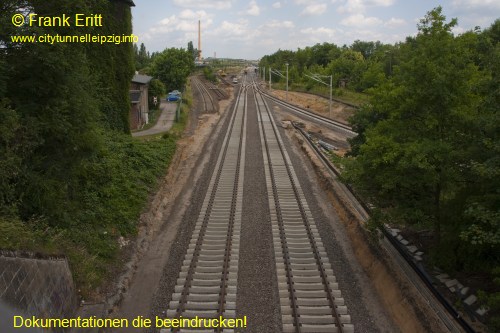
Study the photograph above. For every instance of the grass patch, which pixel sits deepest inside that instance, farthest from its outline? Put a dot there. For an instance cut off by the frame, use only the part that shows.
(114, 190)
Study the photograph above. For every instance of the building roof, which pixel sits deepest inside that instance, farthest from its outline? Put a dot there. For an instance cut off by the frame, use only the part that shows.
(142, 79)
(135, 96)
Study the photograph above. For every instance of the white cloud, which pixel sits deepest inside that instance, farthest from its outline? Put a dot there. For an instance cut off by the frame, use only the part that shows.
(359, 20)
(395, 22)
(357, 6)
(458, 30)
(469, 4)
(218, 4)
(188, 14)
(383, 3)
(314, 9)
(368, 34)
(318, 33)
(277, 5)
(185, 23)
(253, 9)
(235, 31)
(275, 24)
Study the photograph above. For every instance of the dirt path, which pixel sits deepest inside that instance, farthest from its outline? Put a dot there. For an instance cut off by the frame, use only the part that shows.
(317, 104)
(165, 121)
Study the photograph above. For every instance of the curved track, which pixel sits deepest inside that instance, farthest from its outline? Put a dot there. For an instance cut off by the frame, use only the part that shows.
(221, 94)
(209, 105)
(329, 123)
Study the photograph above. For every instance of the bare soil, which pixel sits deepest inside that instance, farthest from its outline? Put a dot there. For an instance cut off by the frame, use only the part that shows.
(317, 104)
(334, 138)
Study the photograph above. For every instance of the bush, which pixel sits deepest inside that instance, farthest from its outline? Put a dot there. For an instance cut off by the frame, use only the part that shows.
(113, 190)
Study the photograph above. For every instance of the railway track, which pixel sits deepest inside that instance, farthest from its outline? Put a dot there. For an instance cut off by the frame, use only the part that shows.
(206, 285)
(329, 123)
(221, 94)
(209, 105)
(310, 299)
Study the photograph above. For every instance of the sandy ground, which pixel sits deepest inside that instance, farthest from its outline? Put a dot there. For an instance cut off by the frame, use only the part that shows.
(335, 138)
(317, 104)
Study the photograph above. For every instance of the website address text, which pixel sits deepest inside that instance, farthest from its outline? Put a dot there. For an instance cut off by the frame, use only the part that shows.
(86, 38)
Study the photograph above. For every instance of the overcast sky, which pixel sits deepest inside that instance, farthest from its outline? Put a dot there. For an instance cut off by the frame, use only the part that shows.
(250, 29)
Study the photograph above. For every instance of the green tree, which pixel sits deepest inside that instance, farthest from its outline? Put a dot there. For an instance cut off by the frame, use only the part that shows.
(367, 49)
(172, 67)
(12, 157)
(142, 58)
(349, 66)
(411, 163)
(191, 50)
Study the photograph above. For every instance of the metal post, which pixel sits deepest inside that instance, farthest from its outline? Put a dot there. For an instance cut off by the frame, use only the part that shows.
(331, 80)
(286, 82)
(269, 78)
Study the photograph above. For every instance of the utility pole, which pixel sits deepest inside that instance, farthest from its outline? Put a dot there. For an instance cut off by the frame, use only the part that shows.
(270, 78)
(286, 82)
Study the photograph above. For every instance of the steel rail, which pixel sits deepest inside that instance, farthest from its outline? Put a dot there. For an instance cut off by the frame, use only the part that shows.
(229, 170)
(308, 229)
(338, 125)
(281, 224)
(284, 244)
(204, 93)
(219, 92)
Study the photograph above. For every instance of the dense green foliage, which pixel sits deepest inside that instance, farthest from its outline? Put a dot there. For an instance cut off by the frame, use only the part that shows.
(172, 67)
(113, 65)
(209, 74)
(427, 154)
(361, 66)
(158, 64)
(113, 188)
(428, 146)
(142, 57)
(72, 180)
